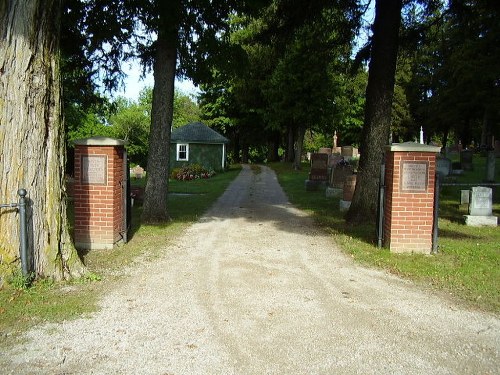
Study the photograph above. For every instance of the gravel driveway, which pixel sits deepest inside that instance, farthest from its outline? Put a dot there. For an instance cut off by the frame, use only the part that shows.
(254, 288)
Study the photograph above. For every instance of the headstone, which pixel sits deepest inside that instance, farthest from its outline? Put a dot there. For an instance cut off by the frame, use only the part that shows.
(319, 167)
(137, 171)
(464, 197)
(466, 160)
(481, 202)
(481, 207)
(333, 160)
(490, 167)
(347, 151)
(456, 168)
(339, 175)
(337, 150)
(349, 186)
(443, 166)
(325, 150)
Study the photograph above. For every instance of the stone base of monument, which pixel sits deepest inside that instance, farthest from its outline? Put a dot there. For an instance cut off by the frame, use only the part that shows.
(344, 205)
(331, 192)
(480, 221)
(313, 185)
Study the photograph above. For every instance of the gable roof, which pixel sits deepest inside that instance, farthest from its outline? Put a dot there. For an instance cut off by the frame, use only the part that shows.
(196, 132)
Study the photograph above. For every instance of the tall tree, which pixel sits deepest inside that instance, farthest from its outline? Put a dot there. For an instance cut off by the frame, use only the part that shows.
(32, 136)
(379, 95)
(187, 31)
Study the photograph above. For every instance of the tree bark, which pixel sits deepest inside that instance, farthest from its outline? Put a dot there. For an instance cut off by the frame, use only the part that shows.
(379, 94)
(155, 206)
(297, 163)
(290, 157)
(32, 138)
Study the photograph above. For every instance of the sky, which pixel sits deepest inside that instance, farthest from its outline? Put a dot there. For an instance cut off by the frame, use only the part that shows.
(134, 84)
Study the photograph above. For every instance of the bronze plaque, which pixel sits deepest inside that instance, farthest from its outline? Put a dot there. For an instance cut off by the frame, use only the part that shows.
(414, 176)
(94, 169)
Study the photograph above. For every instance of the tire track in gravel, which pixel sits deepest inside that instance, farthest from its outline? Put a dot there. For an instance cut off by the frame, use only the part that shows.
(255, 288)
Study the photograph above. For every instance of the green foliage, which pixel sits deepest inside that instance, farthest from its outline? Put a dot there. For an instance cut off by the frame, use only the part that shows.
(84, 122)
(455, 70)
(18, 281)
(130, 123)
(287, 77)
(186, 110)
(191, 172)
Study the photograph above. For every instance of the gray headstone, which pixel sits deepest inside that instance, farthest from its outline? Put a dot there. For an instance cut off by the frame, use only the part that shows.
(333, 160)
(464, 196)
(347, 151)
(339, 175)
(325, 150)
(137, 171)
(337, 150)
(466, 160)
(490, 167)
(443, 166)
(481, 201)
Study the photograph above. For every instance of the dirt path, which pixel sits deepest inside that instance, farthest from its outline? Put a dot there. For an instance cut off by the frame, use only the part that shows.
(254, 288)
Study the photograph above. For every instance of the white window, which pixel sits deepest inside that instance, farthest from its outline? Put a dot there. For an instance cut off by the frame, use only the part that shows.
(182, 152)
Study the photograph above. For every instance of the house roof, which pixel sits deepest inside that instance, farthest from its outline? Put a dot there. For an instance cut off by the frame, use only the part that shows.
(196, 132)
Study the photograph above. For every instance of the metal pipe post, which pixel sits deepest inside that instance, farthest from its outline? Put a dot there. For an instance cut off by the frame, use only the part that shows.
(381, 196)
(23, 239)
(435, 228)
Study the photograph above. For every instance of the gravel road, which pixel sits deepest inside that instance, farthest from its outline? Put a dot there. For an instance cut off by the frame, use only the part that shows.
(254, 288)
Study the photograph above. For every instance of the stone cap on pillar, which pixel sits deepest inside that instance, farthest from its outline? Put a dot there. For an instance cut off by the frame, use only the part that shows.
(412, 147)
(99, 141)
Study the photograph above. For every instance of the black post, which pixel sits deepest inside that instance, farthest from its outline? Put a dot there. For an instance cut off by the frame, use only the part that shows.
(23, 239)
(381, 196)
(435, 228)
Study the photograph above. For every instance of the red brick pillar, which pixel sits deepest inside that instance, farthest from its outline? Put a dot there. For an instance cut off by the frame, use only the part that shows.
(409, 200)
(99, 193)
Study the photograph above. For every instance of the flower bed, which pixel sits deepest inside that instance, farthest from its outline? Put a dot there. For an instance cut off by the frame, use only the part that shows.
(191, 172)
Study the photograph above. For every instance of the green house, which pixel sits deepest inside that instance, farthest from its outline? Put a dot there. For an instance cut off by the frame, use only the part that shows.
(196, 143)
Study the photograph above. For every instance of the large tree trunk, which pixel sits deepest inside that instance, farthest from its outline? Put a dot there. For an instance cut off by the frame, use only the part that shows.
(32, 138)
(290, 154)
(297, 162)
(379, 94)
(155, 207)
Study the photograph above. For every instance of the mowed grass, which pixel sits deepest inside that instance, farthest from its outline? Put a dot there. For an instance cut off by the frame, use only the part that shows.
(47, 301)
(467, 266)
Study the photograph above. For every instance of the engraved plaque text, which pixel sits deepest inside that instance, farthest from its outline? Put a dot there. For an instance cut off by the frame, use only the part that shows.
(414, 176)
(94, 169)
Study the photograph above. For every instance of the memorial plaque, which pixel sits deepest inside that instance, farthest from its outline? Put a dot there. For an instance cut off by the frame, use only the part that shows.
(93, 169)
(481, 202)
(414, 176)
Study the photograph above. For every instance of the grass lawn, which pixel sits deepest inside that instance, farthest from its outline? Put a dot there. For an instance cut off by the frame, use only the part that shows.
(467, 266)
(22, 308)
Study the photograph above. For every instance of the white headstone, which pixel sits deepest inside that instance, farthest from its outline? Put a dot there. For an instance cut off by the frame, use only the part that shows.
(481, 201)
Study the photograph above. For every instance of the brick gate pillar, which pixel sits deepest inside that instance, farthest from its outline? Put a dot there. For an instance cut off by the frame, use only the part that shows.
(409, 200)
(99, 192)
